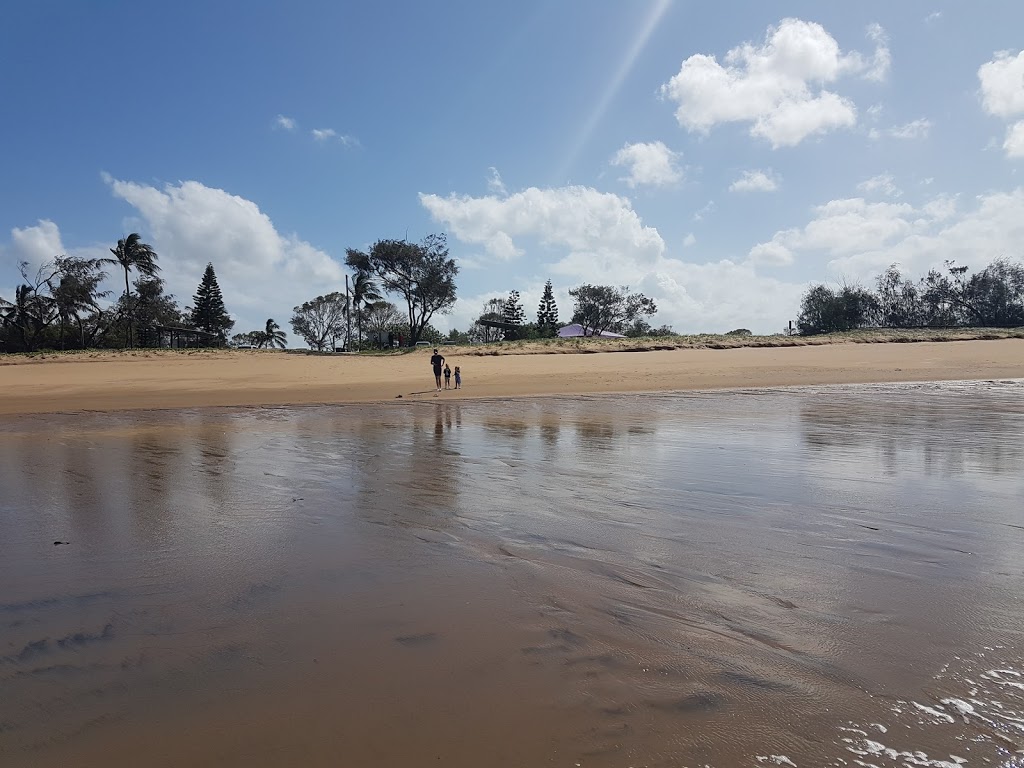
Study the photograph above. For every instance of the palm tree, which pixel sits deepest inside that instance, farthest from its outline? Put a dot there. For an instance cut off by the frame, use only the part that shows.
(364, 294)
(273, 336)
(132, 253)
(29, 314)
(77, 290)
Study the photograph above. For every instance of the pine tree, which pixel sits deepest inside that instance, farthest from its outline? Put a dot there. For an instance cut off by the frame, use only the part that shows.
(513, 312)
(547, 312)
(208, 313)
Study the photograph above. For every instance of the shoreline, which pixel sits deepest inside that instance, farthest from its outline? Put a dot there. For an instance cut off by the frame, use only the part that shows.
(159, 381)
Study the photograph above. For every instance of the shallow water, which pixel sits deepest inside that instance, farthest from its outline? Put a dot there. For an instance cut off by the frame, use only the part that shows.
(816, 577)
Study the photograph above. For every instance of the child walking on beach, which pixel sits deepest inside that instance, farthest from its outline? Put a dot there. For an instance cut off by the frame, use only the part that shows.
(447, 377)
(458, 377)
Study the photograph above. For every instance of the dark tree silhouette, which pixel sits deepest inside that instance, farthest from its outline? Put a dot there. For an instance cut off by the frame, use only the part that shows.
(547, 312)
(364, 294)
(209, 313)
(131, 253)
(273, 336)
(602, 308)
(321, 320)
(421, 273)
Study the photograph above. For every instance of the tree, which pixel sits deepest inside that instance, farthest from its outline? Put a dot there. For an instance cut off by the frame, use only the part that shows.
(899, 302)
(28, 315)
(824, 310)
(993, 297)
(364, 293)
(321, 320)
(381, 318)
(131, 253)
(273, 336)
(32, 310)
(421, 273)
(75, 289)
(208, 311)
(512, 313)
(458, 337)
(493, 311)
(547, 312)
(601, 308)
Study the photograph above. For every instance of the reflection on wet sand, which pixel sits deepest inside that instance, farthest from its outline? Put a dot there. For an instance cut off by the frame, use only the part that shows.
(816, 576)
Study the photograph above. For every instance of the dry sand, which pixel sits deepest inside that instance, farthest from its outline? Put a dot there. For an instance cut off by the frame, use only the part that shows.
(146, 380)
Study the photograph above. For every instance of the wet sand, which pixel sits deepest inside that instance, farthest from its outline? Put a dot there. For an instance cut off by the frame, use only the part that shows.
(810, 577)
(123, 382)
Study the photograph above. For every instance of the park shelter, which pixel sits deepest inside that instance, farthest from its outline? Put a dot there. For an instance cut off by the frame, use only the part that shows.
(575, 330)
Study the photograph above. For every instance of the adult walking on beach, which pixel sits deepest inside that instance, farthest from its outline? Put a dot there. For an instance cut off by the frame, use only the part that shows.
(437, 361)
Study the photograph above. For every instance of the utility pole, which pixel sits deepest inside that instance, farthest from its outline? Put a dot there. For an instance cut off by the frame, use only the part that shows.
(348, 318)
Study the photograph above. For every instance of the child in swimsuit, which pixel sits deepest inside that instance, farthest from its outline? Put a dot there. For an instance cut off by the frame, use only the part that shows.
(447, 376)
(458, 377)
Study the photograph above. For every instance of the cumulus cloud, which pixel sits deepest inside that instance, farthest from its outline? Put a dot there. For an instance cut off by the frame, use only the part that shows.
(598, 237)
(755, 181)
(649, 163)
(775, 86)
(262, 272)
(1002, 84)
(1002, 95)
(689, 240)
(34, 245)
(593, 225)
(884, 184)
(1014, 144)
(859, 239)
(285, 123)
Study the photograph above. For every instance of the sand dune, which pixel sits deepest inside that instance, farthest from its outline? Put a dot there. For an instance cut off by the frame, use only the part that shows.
(164, 379)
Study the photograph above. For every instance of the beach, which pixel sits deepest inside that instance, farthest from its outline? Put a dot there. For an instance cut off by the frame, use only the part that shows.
(815, 576)
(141, 380)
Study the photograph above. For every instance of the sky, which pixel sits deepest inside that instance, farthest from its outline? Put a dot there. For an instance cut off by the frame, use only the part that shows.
(717, 157)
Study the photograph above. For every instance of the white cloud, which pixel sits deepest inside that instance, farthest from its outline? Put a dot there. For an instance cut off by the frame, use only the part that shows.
(593, 225)
(689, 240)
(883, 183)
(915, 129)
(860, 239)
(1002, 85)
(286, 123)
(495, 184)
(932, 17)
(261, 272)
(324, 135)
(35, 245)
(604, 241)
(776, 86)
(772, 254)
(755, 181)
(1002, 95)
(1014, 144)
(704, 212)
(649, 163)
(878, 67)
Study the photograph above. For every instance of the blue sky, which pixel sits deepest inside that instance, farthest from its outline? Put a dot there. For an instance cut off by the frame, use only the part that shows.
(717, 157)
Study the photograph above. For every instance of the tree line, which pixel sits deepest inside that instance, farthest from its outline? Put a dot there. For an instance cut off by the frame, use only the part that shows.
(421, 276)
(63, 305)
(596, 308)
(992, 298)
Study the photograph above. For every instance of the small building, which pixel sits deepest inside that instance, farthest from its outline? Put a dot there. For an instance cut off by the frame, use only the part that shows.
(575, 330)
